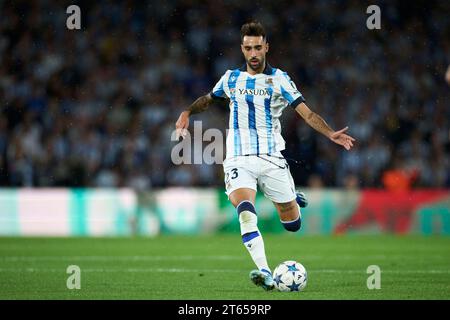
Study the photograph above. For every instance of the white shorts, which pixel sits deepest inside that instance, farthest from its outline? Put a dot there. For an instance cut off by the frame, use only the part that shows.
(270, 173)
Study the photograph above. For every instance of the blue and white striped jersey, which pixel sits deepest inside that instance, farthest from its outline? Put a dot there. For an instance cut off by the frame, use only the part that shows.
(256, 104)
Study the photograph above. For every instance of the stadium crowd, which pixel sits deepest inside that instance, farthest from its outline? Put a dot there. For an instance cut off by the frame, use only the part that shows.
(96, 107)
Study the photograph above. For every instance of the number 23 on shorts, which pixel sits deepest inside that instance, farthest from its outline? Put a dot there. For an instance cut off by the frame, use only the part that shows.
(234, 174)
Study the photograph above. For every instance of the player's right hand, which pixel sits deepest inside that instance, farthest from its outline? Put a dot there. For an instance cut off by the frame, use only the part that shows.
(182, 124)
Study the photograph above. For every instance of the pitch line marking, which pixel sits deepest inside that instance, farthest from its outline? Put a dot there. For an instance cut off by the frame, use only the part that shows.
(116, 258)
(184, 270)
(188, 257)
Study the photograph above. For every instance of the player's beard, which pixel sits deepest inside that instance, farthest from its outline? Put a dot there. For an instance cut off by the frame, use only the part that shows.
(258, 66)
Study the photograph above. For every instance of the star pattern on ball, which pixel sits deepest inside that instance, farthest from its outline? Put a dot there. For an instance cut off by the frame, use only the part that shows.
(294, 286)
(278, 280)
(292, 268)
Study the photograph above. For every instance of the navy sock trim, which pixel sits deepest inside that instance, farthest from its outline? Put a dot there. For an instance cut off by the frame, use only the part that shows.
(266, 271)
(292, 225)
(245, 206)
(249, 236)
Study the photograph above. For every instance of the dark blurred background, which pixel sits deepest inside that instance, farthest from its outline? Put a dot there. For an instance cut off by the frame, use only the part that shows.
(96, 107)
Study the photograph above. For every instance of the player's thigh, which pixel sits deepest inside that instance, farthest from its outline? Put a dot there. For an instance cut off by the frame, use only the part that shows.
(240, 180)
(242, 194)
(277, 184)
(288, 211)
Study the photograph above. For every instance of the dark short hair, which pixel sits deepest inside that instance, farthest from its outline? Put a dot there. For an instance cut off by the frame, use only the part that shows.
(253, 28)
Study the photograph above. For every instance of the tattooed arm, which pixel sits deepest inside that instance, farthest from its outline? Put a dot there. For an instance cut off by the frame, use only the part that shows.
(317, 123)
(199, 105)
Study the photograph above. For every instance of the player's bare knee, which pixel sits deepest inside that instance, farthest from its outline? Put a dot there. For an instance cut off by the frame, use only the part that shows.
(240, 195)
(288, 211)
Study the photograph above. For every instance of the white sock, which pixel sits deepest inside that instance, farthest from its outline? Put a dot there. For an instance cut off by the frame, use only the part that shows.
(255, 247)
(251, 237)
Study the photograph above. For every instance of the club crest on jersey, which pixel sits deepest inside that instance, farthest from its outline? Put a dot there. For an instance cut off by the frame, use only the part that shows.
(269, 81)
(232, 91)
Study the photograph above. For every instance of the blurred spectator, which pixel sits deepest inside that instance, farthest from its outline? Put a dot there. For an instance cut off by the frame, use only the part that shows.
(351, 182)
(315, 182)
(447, 75)
(398, 178)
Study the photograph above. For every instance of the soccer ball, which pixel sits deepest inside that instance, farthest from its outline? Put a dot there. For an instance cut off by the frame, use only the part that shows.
(290, 276)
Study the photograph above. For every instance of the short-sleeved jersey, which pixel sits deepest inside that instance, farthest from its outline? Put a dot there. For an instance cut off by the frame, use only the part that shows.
(256, 104)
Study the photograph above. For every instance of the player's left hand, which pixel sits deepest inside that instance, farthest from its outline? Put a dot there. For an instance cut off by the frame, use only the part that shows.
(343, 139)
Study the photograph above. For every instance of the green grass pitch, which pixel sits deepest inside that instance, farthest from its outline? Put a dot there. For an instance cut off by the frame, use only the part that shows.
(217, 267)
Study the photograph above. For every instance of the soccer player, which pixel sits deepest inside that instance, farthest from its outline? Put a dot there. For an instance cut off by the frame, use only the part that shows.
(257, 94)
